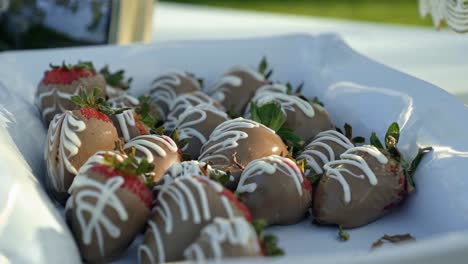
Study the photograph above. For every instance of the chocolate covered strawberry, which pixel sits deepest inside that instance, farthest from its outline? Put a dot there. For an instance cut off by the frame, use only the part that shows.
(73, 137)
(60, 83)
(195, 125)
(235, 143)
(135, 122)
(183, 208)
(166, 87)
(366, 183)
(184, 102)
(108, 207)
(225, 238)
(238, 85)
(160, 150)
(325, 147)
(274, 189)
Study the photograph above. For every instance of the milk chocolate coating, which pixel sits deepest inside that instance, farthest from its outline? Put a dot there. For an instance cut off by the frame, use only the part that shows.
(128, 125)
(235, 89)
(244, 140)
(305, 126)
(327, 146)
(97, 135)
(224, 238)
(273, 189)
(128, 227)
(368, 202)
(53, 104)
(168, 86)
(195, 125)
(182, 210)
(184, 102)
(159, 150)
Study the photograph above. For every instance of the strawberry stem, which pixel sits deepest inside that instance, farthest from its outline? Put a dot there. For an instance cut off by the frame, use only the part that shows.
(95, 100)
(268, 241)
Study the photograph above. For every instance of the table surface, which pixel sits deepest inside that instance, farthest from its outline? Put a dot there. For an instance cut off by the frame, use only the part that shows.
(439, 57)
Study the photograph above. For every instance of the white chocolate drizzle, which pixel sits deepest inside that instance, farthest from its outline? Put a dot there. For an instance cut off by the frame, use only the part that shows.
(192, 168)
(217, 91)
(228, 232)
(312, 154)
(126, 119)
(269, 165)
(98, 222)
(163, 90)
(63, 143)
(335, 171)
(56, 101)
(122, 99)
(146, 145)
(181, 104)
(186, 207)
(186, 128)
(227, 136)
(288, 102)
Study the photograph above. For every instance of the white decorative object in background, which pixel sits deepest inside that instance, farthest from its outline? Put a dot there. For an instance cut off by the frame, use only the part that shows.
(454, 12)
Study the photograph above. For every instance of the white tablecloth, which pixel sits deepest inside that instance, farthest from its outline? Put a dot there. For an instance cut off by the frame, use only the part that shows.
(437, 57)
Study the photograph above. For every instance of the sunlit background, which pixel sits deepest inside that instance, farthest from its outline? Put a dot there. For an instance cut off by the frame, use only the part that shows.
(383, 11)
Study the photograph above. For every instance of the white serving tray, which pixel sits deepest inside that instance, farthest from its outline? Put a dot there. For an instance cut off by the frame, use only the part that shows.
(355, 89)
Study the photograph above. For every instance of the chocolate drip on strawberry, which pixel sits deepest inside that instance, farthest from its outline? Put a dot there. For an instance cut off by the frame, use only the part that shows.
(325, 147)
(166, 87)
(195, 125)
(365, 183)
(183, 208)
(73, 137)
(275, 190)
(60, 83)
(235, 143)
(225, 238)
(238, 85)
(109, 205)
(184, 102)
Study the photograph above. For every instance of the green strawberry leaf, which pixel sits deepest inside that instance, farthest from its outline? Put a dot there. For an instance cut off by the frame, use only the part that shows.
(95, 100)
(358, 140)
(115, 79)
(375, 141)
(414, 165)
(269, 114)
(291, 138)
(316, 100)
(268, 241)
(348, 130)
(144, 112)
(342, 234)
(392, 136)
(263, 68)
(132, 166)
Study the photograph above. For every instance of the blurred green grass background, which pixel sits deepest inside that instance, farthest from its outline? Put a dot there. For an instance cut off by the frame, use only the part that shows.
(383, 11)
